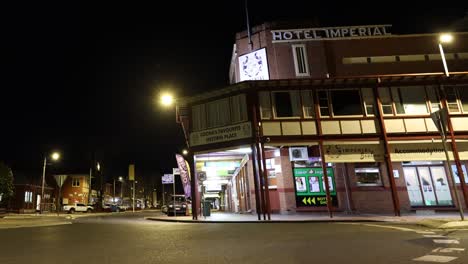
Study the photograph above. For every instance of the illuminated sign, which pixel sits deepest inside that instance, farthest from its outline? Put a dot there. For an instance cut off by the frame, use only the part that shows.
(306, 34)
(254, 66)
(353, 153)
(221, 134)
(310, 187)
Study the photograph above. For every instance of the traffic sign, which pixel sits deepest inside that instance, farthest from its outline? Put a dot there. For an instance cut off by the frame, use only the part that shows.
(167, 179)
(60, 179)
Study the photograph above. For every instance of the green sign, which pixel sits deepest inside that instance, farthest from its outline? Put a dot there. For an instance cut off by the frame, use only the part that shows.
(309, 181)
(310, 186)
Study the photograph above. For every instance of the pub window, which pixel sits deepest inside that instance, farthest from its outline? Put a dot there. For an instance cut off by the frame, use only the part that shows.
(265, 105)
(286, 104)
(410, 100)
(198, 117)
(218, 113)
(300, 60)
(75, 182)
(433, 98)
(463, 93)
(369, 102)
(368, 175)
(238, 108)
(452, 100)
(386, 100)
(457, 98)
(323, 103)
(308, 103)
(346, 102)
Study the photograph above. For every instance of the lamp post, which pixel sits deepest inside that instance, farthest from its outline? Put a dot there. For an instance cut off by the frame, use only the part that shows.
(444, 38)
(120, 180)
(55, 156)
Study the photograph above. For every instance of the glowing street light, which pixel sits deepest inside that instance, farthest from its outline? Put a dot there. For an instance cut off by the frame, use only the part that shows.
(444, 38)
(55, 156)
(167, 99)
(184, 152)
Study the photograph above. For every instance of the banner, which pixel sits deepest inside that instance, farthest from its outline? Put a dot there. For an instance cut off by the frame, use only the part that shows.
(131, 172)
(184, 170)
(167, 179)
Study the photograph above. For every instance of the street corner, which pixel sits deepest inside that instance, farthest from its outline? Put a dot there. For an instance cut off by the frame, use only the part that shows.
(443, 223)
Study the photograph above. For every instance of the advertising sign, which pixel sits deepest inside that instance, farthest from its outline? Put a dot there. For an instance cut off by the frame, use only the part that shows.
(184, 170)
(310, 187)
(353, 153)
(167, 179)
(221, 134)
(254, 66)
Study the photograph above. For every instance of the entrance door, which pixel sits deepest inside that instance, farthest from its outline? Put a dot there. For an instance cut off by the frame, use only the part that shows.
(427, 186)
(441, 186)
(412, 185)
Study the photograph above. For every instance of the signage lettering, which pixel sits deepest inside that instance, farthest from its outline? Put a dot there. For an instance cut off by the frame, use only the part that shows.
(222, 134)
(330, 33)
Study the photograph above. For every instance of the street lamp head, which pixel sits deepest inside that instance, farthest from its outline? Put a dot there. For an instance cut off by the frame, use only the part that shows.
(184, 152)
(98, 166)
(446, 38)
(55, 156)
(120, 178)
(167, 99)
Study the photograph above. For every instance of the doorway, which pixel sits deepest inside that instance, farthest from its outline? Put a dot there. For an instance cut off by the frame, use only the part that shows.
(427, 186)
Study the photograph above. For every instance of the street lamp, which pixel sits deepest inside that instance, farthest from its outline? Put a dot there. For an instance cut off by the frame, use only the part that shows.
(167, 99)
(120, 180)
(444, 38)
(55, 156)
(184, 152)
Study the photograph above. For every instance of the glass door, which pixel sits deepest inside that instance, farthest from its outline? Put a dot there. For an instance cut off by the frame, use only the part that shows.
(427, 186)
(413, 187)
(441, 185)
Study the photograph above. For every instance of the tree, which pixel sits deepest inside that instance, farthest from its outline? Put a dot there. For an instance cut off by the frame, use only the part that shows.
(6, 182)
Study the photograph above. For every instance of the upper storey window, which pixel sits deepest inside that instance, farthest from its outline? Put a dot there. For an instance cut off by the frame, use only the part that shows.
(301, 64)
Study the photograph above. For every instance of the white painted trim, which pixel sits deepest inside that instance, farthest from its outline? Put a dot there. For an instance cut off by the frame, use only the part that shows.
(306, 61)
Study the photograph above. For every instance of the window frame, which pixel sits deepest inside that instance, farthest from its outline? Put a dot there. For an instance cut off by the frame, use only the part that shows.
(358, 184)
(330, 103)
(273, 104)
(74, 179)
(306, 61)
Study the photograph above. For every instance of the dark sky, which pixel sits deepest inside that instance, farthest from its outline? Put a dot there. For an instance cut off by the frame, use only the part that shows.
(82, 78)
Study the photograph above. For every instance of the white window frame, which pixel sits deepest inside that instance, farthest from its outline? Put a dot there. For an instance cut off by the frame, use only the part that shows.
(330, 103)
(74, 183)
(273, 104)
(306, 61)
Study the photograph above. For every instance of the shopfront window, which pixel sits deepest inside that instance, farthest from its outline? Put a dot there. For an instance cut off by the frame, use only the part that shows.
(368, 176)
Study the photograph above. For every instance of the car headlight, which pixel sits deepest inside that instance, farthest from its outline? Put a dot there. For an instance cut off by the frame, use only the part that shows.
(184, 206)
(170, 206)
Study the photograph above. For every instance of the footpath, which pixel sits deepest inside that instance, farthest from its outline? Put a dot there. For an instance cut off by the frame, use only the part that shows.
(434, 221)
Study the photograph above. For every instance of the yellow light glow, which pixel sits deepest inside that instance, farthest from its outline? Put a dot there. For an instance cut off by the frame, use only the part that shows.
(167, 99)
(446, 38)
(55, 156)
(98, 166)
(184, 152)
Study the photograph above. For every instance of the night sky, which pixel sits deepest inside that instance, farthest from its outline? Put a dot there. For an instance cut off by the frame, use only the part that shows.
(82, 78)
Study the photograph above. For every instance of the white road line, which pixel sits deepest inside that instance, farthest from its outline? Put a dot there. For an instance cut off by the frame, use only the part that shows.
(392, 227)
(435, 236)
(446, 241)
(425, 232)
(448, 250)
(435, 258)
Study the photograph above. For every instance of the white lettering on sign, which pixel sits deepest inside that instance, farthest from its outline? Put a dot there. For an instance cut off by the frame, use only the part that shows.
(330, 33)
(222, 134)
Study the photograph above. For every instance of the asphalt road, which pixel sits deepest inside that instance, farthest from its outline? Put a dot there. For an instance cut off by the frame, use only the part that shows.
(128, 238)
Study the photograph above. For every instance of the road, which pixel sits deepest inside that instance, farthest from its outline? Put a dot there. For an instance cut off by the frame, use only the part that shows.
(128, 238)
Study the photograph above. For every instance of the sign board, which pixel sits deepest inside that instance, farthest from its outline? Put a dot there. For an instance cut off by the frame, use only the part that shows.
(254, 66)
(131, 172)
(60, 179)
(418, 151)
(310, 187)
(167, 179)
(353, 153)
(221, 134)
(176, 171)
(324, 33)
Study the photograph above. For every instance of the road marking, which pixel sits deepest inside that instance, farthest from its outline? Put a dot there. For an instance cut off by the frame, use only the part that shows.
(448, 250)
(446, 241)
(435, 258)
(425, 232)
(392, 227)
(435, 236)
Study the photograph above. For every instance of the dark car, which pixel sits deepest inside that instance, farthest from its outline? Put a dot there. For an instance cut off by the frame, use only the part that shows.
(179, 205)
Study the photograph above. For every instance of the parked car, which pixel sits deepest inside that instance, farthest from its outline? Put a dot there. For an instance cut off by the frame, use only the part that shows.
(179, 205)
(72, 208)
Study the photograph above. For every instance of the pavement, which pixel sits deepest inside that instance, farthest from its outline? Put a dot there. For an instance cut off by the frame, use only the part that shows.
(436, 220)
(49, 219)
